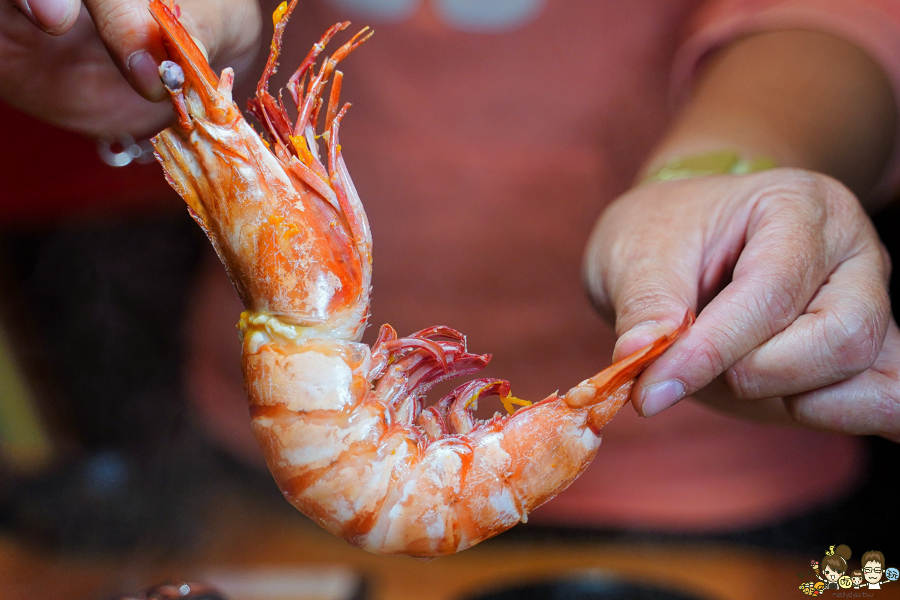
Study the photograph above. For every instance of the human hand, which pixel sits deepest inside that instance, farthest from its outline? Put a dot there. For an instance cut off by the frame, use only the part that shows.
(78, 65)
(792, 282)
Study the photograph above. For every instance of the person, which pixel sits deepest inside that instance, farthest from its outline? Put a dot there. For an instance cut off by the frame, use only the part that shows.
(857, 578)
(833, 567)
(873, 568)
(490, 143)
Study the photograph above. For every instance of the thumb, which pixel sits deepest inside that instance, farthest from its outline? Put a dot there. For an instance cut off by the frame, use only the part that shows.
(650, 305)
(652, 302)
(649, 297)
(227, 30)
(626, 279)
(55, 17)
(132, 39)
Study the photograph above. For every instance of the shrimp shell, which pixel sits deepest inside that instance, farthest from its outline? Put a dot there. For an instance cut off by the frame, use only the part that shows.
(343, 426)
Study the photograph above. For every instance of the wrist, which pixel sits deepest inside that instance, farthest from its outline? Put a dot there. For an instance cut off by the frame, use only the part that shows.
(747, 140)
(806, 99)
(717, 162)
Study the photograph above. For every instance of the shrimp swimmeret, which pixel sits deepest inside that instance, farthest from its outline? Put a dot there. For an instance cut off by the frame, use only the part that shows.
(343, 426)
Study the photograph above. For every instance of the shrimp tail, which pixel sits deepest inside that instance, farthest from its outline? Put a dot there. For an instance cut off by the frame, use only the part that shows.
(607, 391)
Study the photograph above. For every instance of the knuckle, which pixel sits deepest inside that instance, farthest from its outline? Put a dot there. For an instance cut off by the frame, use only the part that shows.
(812, 200)
(640, 302)
(644, 304)
(792, 186)
(779, 302)
(852, 340)
(768, 305)
(887, 418)
(709, 360)
(742, 383)
(877, 412)
(811, 184)
(118, 20)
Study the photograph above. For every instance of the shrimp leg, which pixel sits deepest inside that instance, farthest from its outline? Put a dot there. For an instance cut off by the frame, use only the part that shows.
(343, 426)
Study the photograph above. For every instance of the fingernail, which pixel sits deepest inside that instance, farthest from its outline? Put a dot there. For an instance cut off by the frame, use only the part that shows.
(145, 71)
(637, 337)
(51, 14)
(22, 7)
(202, 47)
(660, 396)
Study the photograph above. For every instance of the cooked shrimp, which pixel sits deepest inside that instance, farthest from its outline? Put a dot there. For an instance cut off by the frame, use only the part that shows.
(343, 426)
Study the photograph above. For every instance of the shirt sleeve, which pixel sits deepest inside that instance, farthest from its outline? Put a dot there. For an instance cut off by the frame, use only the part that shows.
(872, 25)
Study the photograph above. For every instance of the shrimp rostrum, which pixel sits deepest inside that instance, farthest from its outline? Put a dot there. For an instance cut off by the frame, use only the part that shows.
(343, 426)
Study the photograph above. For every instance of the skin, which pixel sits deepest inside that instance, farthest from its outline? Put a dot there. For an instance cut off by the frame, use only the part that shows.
(783, 268)
(78, 65)
(873, 577)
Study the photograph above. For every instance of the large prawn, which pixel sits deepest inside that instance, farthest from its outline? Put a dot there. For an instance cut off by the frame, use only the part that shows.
(343, 426)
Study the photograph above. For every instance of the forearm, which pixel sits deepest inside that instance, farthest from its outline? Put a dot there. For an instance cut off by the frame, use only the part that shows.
(790, 287)
(804, 98)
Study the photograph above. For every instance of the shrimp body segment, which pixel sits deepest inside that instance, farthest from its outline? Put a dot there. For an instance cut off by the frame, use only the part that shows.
(343, 426)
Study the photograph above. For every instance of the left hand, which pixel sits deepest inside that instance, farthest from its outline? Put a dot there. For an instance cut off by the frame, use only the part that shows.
(85, 65)
(792, 282)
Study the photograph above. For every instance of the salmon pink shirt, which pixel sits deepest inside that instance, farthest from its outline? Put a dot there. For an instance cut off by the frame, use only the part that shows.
(485, 139)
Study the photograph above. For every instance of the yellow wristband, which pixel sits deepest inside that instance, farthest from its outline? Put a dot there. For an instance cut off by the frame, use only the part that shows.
(719, 162)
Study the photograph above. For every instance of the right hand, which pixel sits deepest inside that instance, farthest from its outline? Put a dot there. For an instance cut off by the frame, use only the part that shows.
(78, 65)
(791, 283)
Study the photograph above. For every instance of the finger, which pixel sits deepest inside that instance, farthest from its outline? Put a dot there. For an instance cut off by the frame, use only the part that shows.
(786, 258)
(647, 297)
(839, 336)
(867, 404)
(55, 17)
(718, 396)
(227, 31)
(132, 39)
